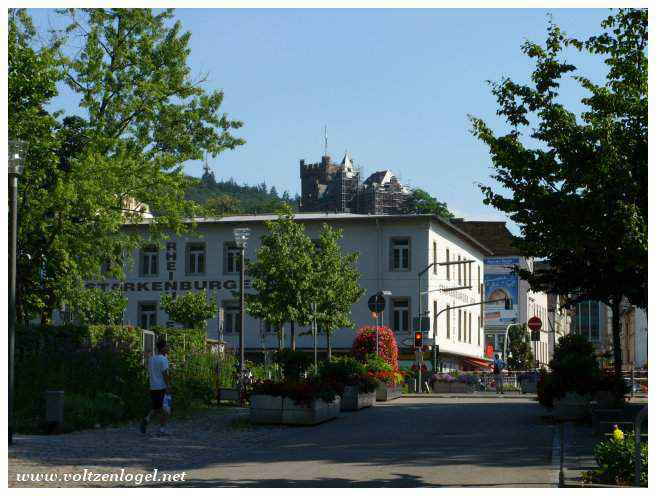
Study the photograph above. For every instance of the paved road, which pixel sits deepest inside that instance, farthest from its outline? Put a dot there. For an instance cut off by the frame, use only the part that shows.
(409, 442)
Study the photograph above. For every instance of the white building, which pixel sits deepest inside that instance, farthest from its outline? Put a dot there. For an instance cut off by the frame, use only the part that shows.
(500, 281)
(393, 249)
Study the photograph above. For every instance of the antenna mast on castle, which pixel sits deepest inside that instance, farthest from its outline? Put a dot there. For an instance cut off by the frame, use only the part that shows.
(206, 167)
(325, 141)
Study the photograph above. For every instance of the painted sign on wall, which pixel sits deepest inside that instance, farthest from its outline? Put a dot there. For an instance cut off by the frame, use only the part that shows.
(500, 282)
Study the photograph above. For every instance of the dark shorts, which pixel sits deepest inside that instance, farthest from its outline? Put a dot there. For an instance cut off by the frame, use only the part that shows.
(157, 398)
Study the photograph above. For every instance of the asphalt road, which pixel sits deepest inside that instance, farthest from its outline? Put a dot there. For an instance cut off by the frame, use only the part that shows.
(410, 442)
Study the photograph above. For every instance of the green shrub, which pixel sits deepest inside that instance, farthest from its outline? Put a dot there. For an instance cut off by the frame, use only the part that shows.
(294, 363)
(616, 461)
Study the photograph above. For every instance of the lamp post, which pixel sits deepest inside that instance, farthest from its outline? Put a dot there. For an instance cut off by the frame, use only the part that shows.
(241, 237)
(15, 166)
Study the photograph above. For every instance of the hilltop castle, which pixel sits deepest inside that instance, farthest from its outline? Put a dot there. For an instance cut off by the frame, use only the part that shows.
(328, 186)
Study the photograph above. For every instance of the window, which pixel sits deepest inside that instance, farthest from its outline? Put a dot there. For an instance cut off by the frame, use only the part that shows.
(401, 315)
(434, 257)
(149, 261)
(448, 267)
(478, 270)
(479, 330)
(400, 254)
(231, 258)
(232, 323)
(448, 320)
(469, 272)
(469, 327)
(586, 320)
(147, 315)
(459, 325)
(195, 258)
(435, 318)
(459, 272)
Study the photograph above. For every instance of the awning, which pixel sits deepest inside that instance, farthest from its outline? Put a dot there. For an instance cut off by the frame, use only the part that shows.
(477, 362)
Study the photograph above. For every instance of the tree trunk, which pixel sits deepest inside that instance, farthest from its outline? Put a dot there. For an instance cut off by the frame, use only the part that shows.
(329, 351)
(617, 345)
(281, 337)
(293, 336)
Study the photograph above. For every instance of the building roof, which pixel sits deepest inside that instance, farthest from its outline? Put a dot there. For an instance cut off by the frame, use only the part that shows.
(379, 177)
(323, 216)
(493, 234)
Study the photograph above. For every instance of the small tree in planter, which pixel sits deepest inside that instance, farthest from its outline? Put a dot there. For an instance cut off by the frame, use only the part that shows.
(191, 309)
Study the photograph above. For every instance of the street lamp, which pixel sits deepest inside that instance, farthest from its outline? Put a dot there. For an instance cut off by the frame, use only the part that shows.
(15, 167)
(241, 237)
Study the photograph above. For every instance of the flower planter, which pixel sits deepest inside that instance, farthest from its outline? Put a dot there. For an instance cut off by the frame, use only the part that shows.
(353, 399)
(228, 394)
(528, 386)
(452, 387)
(319, 411)
(572, 406)
(387, 393)
(266, 409)
(278, 410)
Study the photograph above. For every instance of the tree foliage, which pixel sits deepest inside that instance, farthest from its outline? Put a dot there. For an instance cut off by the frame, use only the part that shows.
(282, 273)
(191, 309)
(291, 273)
(141, 115)
(520, 347)
(421, 202)
(91, 306)
(579, 196)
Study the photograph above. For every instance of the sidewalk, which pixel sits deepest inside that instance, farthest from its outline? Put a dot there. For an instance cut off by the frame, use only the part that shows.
(579, 441)
(477, 394)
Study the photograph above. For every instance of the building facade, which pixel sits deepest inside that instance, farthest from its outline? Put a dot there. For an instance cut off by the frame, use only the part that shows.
(393, 249)
(501, 282)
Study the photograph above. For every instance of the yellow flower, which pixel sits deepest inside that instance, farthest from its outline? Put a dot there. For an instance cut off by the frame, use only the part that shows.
(618, 435)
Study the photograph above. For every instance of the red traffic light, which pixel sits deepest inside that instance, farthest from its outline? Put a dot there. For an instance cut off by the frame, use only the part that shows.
(418, 339)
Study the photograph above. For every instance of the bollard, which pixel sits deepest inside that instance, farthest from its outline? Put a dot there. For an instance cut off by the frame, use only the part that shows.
(54, 410)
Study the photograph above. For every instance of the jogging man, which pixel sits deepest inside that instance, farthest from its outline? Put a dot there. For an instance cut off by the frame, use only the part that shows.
(160, 384)
(499, 365)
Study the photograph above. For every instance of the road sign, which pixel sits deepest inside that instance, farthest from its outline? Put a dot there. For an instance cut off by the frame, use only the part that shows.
(377, 303)
(534, 324)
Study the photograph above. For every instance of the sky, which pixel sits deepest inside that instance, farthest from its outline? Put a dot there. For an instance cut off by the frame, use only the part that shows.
(394, 87)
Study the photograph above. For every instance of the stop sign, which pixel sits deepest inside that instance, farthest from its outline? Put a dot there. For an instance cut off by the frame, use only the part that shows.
(534, 324)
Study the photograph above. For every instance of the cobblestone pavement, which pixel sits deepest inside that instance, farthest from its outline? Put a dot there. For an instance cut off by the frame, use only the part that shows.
(201, 439)
(409, 442)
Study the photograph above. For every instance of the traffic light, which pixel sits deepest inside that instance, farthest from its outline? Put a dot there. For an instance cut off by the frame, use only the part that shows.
(508, 304)
(418, 339)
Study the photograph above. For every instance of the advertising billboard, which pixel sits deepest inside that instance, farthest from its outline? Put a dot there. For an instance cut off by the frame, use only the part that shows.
(500, 282)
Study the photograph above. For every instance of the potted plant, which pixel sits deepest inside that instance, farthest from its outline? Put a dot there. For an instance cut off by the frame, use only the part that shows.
(307, 402)
(382, 361)
(359, 388)
(390, 380)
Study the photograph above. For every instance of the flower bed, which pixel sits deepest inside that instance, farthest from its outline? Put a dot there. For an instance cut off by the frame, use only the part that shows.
(387, 392)
(354, 399)
(294, 403)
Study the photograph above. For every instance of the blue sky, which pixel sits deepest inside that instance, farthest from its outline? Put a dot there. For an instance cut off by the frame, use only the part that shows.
(394, 87)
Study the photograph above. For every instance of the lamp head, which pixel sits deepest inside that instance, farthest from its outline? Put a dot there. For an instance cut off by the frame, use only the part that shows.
(16, 157)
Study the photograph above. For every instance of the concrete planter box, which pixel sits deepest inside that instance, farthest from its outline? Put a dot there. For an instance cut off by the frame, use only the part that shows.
(318, 412)
(278, 410)
(266, 409)
(387, 393)
(228, 394)
(353, 399)
(452, 387)
(528, 386)
(572, 406)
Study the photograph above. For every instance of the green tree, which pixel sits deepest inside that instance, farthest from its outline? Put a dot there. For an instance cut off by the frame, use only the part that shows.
(191, 309)
(222, 204)
(141, 115)
(335, 288)
(579, 195)
(282, 275)
(520, 347)
(421, 202)
(95, 306)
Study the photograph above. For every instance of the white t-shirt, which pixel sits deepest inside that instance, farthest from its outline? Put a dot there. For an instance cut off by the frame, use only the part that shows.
(157, 364)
